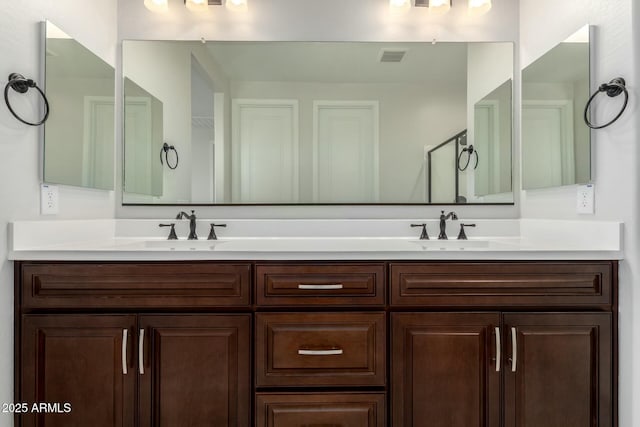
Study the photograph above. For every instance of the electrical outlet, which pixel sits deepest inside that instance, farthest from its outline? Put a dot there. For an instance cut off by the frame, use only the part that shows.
(585, 199)
(48, 199)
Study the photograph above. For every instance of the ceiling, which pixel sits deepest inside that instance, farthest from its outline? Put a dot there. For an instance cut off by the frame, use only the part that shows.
(340, 62)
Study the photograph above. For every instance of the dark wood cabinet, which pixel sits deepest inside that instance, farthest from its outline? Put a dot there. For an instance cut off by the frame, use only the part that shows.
(189, 370)
(84, 361)
(444, 370)
(447, 369)
(558, 369)
(320, 349)
(301, 344)
(320, 409)
(195, 370)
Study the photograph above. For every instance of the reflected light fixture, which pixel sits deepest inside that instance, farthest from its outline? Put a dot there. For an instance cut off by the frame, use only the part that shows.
(201, 5)
(397, 5)
(478, 7)
(236, 4)
(157, 5)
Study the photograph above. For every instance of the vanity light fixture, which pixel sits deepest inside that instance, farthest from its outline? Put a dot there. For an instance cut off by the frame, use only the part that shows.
(201, 5)
(476, 7)
(236, 4)
(395, 5)
(157, 5)
(439, 6)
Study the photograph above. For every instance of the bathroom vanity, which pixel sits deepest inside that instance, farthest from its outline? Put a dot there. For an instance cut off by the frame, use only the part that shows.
(455, 338)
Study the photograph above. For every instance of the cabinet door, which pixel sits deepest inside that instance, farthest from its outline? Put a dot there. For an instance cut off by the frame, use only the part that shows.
(320, 410)
(195, 370)
(82, 360)
(558, 373)
(444, 371)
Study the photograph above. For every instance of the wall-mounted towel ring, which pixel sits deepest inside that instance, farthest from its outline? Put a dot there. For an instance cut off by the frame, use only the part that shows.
(165, 151)
(21, 84)
(614, 88)
(471, 152)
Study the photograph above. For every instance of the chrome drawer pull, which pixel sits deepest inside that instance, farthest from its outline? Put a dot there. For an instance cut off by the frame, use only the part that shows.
(125, 337)
(331, 352)
(321, 287)
(514, 359)
(498, 349)
(141, 352)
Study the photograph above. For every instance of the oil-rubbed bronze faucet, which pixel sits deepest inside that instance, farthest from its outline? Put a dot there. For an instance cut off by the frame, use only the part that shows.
(443, 224)
(192, 223)
(424, 235)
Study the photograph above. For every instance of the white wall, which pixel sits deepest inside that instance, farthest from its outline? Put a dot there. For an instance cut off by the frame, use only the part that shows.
(93, 24)
(328, 20)
(615, 153)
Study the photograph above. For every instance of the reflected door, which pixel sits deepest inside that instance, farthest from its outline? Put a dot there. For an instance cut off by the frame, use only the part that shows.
(547, 144)
(265, 151)
(345, 152)
(97, 146)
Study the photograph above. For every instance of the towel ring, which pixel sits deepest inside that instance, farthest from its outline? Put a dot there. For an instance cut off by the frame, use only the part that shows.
(471, 152)
(165, 150)
(21, 84)
(614, 88)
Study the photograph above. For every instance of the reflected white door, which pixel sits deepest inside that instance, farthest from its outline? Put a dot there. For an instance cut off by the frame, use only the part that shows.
(547, 144)
(265, 151)
(143, 136)
(97, 147)
(345, 152)
(487, 143)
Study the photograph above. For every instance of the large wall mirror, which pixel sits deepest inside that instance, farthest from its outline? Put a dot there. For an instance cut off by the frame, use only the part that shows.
(317, 122)
(556, 143)
(79, 134)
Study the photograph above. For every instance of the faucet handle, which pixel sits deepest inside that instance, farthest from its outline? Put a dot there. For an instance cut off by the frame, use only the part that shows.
(424, 235)
(212, 232)
(462, 235)
(172, 232)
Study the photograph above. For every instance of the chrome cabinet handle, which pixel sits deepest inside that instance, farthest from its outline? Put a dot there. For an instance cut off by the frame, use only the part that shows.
(141, 352)
(498, 350)
(321, 287)
(125, 338)
(329, 352)
(514, 342)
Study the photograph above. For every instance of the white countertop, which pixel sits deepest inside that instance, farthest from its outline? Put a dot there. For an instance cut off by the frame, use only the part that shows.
(143, 240)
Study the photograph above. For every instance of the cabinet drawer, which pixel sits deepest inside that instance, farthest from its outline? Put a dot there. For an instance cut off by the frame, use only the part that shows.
(335, 284)
(320, 349)
(544, 284)
(321, 409)
(135, 285)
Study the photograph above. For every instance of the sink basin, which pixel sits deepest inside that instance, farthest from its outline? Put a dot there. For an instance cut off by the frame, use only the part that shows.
(183, 245)
(444, 245)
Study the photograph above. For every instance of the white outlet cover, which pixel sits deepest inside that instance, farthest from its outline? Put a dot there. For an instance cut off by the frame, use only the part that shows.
(585, 199)
(48, 199)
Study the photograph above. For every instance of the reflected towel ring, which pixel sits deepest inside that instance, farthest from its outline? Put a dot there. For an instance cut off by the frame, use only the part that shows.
(471, 152)
(614, 88)
(21, 84)
(165, 150)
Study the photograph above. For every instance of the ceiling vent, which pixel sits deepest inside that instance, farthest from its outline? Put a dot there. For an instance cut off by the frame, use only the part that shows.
(392, 55)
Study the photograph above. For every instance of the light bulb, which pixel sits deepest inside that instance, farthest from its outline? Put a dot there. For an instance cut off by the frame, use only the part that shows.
(399, 4)
(478, 7)
(439, 6)
(157, 5)
(197, 5)
(236, 4)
